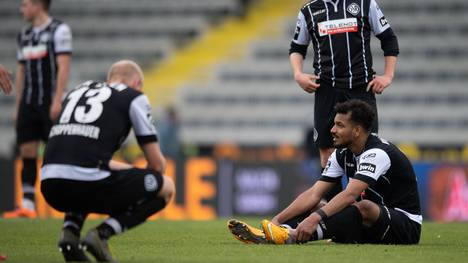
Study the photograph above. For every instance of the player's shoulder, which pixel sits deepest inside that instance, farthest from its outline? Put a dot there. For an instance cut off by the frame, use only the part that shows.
(59, 25)
(57, 22)
(125, 93)
(377, 147)
(310, 3)
(343, 155)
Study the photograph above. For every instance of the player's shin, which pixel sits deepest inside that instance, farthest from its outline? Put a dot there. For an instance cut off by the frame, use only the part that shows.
(28, 178)
(343, 227)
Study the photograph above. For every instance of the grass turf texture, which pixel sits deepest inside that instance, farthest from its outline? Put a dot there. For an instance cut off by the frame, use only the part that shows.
(24, 240)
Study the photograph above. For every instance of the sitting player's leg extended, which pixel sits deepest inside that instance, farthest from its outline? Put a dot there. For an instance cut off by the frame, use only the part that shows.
(343, 227)
(246, 233)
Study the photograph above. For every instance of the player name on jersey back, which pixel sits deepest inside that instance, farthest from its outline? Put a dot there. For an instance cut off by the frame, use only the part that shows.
(88, 131)
(338, 26)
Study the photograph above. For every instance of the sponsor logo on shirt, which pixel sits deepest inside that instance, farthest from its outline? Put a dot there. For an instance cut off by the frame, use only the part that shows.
(338, 26)
(35, 52)
(367, 167)
(383, 21)
(319, 12)
(296, 33)
(370, 155)
(353, 9)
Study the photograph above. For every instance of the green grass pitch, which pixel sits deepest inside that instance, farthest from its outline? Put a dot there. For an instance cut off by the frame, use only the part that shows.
(24, 240)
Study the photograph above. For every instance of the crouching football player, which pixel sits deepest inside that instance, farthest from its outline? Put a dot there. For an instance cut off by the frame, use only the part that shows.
(78, 175)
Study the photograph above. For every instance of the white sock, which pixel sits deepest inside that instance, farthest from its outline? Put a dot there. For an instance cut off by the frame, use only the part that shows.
(112, 222)
(292, 234)
(28, 204)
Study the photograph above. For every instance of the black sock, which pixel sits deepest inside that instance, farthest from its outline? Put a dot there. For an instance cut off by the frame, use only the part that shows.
(105, 231)
(343, 227)
(74, 222)
(140, 212)
(28, 177)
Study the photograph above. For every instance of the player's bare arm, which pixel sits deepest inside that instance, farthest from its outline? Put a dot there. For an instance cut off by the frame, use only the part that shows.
(304, 202)
(154, 156)
(117, 165)
(19, 88)
(5, 83)
(63, 61)
(305, 81)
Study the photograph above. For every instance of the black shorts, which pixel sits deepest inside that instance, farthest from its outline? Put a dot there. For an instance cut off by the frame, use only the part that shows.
(33, 123)
(326, 97)
(392, 227)
(114, 194)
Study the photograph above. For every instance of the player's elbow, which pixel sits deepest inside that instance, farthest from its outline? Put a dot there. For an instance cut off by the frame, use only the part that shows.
(389, 43)
(298, 49)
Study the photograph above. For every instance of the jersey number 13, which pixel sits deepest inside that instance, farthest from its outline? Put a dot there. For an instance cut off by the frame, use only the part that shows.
(92, 108)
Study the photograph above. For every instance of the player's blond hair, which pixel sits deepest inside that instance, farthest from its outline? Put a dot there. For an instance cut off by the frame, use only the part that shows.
(125, 70)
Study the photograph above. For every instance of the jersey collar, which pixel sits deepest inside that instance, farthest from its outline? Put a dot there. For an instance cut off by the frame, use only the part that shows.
(39, 28)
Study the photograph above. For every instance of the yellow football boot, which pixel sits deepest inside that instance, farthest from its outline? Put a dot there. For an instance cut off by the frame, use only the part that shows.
(245, 233)
(275, 234)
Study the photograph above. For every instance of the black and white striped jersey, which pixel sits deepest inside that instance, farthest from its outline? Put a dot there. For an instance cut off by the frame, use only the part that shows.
(96, 118)
(340, 33)
(387, 171)
(38, 48)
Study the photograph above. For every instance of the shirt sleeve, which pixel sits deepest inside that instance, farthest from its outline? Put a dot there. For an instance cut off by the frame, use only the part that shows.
(142, 120)
(301, 39)
(373, 163)
(377, 20)
(333, 171)
(301, 34)
(63, 39)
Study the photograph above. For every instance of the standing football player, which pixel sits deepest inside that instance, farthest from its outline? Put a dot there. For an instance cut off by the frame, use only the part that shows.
(44, 55)
(340, 33)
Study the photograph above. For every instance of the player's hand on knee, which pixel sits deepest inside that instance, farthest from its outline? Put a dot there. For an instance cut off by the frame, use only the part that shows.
(307, 82)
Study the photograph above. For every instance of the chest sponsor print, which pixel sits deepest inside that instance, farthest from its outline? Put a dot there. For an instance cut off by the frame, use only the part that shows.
(35, 52)
(338, 26)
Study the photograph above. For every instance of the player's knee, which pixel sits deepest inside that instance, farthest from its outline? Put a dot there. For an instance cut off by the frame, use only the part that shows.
(368, 210)
(168, 188)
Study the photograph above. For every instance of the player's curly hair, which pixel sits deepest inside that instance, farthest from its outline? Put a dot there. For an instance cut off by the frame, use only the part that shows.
(361, 112)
